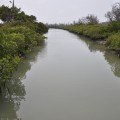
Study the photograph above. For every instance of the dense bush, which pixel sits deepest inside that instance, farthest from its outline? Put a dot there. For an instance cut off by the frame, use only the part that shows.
(94, 32)
(36, 26)
(114, 41)
(114, 26)
(41, 28)
(16, 40)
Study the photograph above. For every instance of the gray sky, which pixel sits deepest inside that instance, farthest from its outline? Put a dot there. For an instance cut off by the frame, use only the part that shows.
(63, 11)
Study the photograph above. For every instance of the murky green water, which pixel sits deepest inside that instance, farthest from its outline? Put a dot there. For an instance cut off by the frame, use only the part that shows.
(68, 78)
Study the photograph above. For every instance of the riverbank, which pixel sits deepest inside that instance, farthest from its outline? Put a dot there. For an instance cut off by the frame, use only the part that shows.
(17, 39)
(104, 34)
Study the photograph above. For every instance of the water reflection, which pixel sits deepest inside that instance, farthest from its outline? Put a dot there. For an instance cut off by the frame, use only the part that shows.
(110, 57)
(10, 98)
(13, 91)
(93, 46)
(114, 61)
(30, 59)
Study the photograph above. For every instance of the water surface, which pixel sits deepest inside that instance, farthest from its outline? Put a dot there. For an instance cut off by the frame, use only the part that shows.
(69, 78)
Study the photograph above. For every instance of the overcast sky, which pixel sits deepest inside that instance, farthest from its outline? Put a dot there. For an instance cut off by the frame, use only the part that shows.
(63, 11)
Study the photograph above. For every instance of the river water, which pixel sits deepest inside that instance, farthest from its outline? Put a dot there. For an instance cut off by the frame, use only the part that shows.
(68, 78)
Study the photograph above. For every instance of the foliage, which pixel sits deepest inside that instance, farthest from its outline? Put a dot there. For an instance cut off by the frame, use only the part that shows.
(15, 42)
(14, 14)
(94, 32)
(114, 14)
(7, 14)
(92, 19)
(17, 38)
(114, 41)
(40, 27)
(114, 26)
(36, 26)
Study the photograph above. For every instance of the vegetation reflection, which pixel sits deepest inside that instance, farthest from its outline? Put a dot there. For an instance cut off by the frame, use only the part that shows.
(13, 90)
(110, 56)
(114, 61)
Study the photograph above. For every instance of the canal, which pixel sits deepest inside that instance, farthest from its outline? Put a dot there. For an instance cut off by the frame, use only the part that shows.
(68, 78)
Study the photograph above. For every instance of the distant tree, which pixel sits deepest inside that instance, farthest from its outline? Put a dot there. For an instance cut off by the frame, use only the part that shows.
(114, 14)
(109, 16)
(92, 19)
(74, 22)
(83, 21)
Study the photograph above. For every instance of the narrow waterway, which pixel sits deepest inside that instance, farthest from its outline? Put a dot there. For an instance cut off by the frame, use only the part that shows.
(68, 78)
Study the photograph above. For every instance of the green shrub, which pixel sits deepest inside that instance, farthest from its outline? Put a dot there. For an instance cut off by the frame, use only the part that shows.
(92, 31)
(114, 26)
(15, 43)
(114, 40)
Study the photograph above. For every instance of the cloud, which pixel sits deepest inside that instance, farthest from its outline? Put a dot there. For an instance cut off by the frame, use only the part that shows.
(55, 11)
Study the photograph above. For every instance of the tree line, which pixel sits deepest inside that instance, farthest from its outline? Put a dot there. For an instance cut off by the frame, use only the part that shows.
(112, 15)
